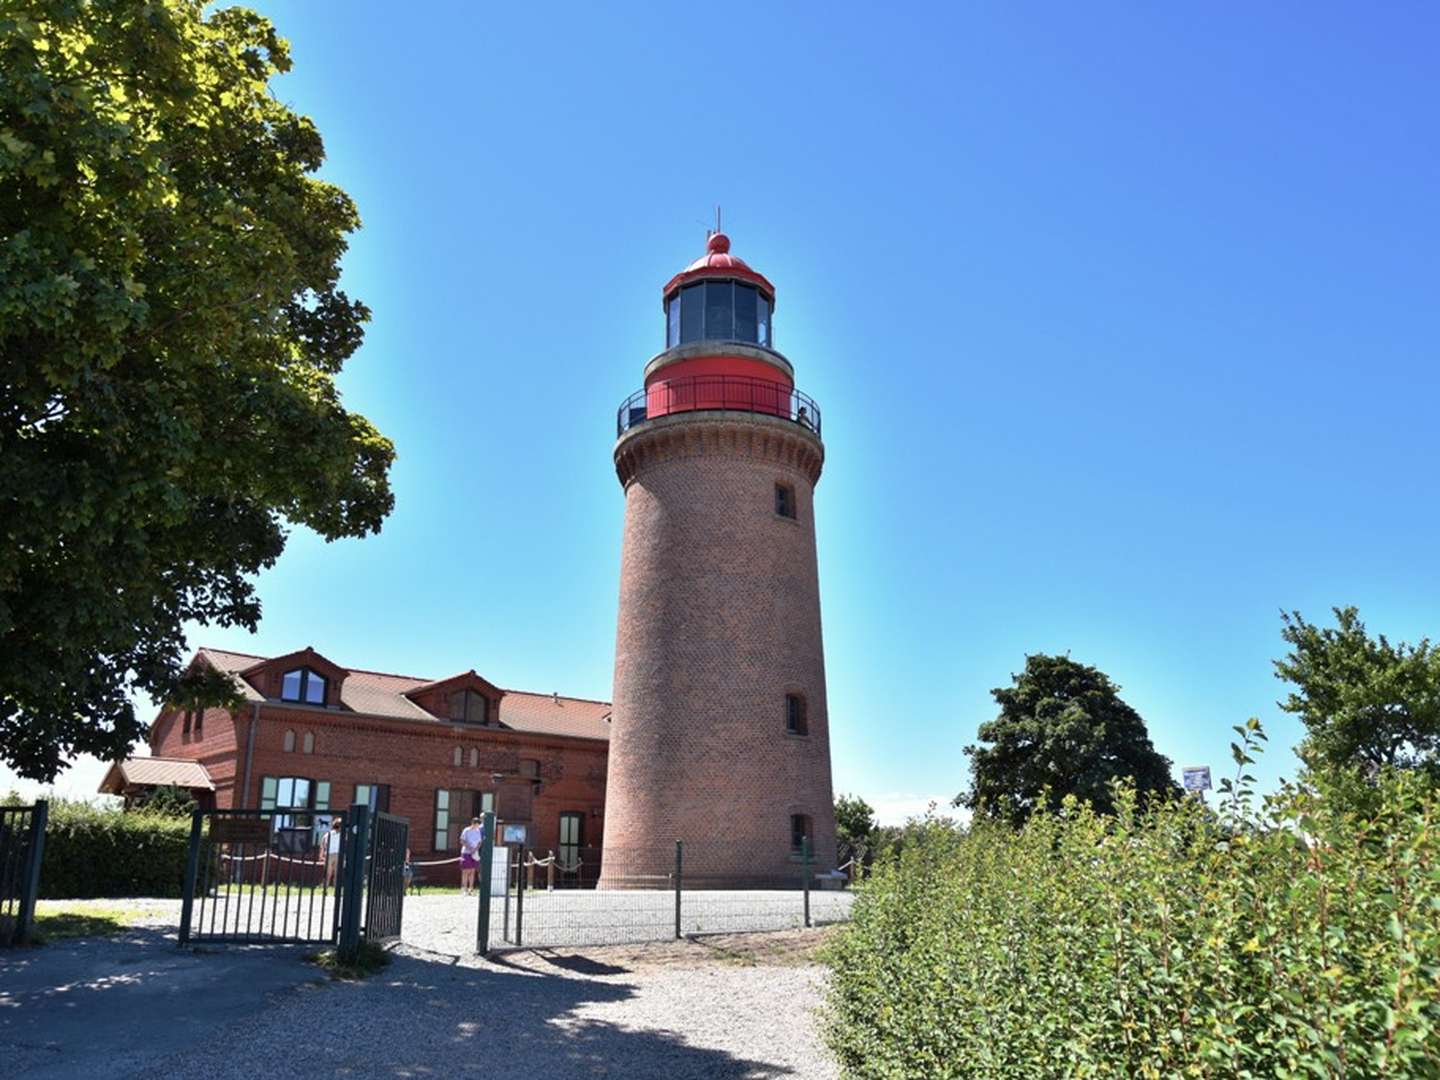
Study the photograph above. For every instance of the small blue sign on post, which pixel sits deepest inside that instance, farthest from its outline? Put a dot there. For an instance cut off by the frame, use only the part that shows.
(1196, 778)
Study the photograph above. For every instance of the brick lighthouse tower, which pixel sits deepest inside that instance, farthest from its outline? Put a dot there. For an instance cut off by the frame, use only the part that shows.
(719, 735)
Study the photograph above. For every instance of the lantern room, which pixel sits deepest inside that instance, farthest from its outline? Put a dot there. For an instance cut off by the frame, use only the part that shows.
(719, 347)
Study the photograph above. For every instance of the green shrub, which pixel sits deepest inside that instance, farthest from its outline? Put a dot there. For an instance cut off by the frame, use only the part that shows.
(1300, 939)
(93, 852)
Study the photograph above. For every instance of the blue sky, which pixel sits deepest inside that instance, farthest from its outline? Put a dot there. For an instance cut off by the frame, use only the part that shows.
(1123, 320)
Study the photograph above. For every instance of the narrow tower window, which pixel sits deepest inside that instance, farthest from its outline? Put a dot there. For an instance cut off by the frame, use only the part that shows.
(795, 715)
(785, 500)
(800, 832)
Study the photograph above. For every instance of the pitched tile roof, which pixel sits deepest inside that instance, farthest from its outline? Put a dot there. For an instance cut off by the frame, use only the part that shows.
(156, 770)
(378, 694)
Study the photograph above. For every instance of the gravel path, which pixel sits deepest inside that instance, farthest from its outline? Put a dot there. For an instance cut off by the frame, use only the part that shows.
(741, 1006)
(587, 917)
(539, 1015)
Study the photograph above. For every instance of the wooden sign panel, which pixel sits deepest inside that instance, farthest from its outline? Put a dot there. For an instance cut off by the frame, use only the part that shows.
(240, 830)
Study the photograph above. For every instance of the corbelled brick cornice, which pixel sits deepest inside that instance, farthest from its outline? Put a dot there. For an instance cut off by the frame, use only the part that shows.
(718, 433)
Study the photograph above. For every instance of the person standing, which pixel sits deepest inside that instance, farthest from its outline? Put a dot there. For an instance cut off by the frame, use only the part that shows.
(330, 849)
(470, 841)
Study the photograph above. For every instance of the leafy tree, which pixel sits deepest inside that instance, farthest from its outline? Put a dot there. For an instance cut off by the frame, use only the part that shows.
(854, 821)
(1367, 705)
(1062, 730)
(170, 331)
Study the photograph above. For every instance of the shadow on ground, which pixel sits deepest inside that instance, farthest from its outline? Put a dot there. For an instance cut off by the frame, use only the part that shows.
(138, 1005)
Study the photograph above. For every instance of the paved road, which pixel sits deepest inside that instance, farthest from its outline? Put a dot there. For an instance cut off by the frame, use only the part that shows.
(110, 1006)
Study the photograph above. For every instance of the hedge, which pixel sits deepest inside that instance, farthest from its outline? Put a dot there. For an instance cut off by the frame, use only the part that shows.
(93, 852)
(1300, 939)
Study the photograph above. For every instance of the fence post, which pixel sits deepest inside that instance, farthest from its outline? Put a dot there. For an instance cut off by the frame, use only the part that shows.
(805, 859)
(505, 927)
(192, 870)
(550, 872)
(520, 899)
(30, 887)
(679, 866)
(487, 858)
(352, 877)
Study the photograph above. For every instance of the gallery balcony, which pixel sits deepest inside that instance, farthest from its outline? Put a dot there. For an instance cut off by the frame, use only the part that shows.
(727, 393)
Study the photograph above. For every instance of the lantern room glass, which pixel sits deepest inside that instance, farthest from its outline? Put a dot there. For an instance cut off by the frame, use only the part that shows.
(717, 311)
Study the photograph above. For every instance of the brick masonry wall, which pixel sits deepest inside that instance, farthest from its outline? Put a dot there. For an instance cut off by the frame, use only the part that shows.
(415, 759)
(719, 621)
(214, 746)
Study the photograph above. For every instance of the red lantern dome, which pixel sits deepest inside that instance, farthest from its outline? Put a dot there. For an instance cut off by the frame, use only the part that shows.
(717, 262)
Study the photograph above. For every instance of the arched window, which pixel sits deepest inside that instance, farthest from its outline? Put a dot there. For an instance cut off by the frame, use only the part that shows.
(289, 740)
(801, 833)
(456, 758)
(309, 742)
(303, 685)
(474, 758)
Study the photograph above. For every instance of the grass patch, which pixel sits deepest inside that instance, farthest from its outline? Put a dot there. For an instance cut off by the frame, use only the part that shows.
(55, 921)
(371, 958)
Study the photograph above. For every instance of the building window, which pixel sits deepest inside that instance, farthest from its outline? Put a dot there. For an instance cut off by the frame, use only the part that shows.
(469, 707)
(795, 719)
(530, 768)
(457, 758)
(442, 820)
(199, 723)
(800, 832)
(672, 322)
(309, 743)
(289, 743)
(375, 796)
(572, 838)
(296, 800)
(188, 724)
(785, 500)
(302, 684)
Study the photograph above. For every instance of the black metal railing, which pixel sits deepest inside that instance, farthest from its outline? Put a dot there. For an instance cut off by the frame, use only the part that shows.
(620, 895)
(731, 393)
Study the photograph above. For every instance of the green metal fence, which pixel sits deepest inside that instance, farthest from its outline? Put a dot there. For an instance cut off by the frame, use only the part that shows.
(22, 847)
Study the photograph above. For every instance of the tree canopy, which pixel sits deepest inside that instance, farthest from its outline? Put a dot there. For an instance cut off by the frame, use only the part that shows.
(171, 326)
(1062, 730)
(1366, 704)
(854, 820)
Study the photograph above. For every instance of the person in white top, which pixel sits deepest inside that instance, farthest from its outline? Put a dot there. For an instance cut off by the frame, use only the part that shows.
(470, 841)
(330, 849)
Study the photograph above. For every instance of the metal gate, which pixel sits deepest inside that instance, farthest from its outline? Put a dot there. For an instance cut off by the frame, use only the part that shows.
(385, 887)
(286, 877)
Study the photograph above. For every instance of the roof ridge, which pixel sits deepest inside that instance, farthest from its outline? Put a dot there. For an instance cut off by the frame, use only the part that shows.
(232, 652)
(567, 697)
(416, 678)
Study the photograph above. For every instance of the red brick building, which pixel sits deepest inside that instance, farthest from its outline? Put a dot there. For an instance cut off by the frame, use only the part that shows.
(315, 736)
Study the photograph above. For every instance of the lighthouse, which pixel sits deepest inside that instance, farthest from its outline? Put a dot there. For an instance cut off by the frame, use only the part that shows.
(719, 734)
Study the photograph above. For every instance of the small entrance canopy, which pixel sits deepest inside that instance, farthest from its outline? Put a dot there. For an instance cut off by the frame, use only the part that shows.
(138, 776)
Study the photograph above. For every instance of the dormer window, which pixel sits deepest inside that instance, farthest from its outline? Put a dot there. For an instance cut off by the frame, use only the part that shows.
(469, 707)
(303, 685)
